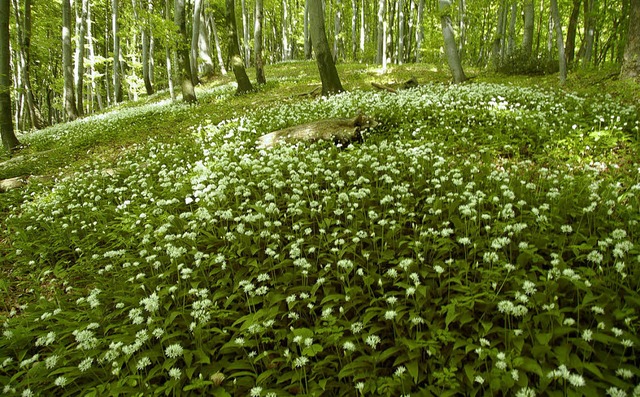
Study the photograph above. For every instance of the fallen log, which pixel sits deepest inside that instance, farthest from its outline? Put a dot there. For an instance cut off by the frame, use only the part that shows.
(340, 131)
(11, 183)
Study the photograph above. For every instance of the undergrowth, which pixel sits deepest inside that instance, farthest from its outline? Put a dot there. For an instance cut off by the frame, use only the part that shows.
(483, 240)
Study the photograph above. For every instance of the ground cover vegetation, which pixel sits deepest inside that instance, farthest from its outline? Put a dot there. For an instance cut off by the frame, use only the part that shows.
(482, 240)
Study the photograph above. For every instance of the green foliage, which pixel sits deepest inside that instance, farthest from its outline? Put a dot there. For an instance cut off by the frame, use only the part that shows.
(483, 240)
(519, 63)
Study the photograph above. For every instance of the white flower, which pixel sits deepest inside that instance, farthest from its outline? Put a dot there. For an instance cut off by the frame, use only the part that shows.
(173, 351)
(175, 373)
(399, 371)
(587, 335)
(51, 361)
(60, 381)
(624, 373)
(373, 341)
(85, 364)
(300, 362)
(349, 346)
(255, 391)
(526, 392)
(390, 314)
(479, 379)
(576, 380)
(143, 363)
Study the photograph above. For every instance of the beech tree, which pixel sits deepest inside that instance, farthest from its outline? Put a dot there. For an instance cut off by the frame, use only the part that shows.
(631, 63)
(9, 140)
(67, 65)
(257, 46)
(450, 48)
(186, 80)
(244, 84)
(117, 78)
(561, 56)
(326, 66)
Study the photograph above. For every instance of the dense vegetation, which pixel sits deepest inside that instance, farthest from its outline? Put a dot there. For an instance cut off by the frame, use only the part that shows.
(483, 240)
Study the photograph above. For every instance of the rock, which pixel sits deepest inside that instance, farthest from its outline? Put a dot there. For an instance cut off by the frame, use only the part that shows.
(341, 131)
(11, 183)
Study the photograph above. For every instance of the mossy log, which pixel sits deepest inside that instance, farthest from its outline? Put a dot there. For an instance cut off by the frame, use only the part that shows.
(340, 131)
(11, 183)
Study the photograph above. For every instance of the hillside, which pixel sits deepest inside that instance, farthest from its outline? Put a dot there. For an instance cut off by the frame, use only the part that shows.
(482, 240)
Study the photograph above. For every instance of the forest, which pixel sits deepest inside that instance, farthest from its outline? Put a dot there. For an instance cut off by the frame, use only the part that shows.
(320, 198)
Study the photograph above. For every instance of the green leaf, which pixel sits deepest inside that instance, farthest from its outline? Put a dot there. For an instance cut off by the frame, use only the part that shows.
(312, 350)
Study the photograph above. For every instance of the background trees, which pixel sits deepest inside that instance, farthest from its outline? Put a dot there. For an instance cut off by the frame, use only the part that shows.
(117, 44)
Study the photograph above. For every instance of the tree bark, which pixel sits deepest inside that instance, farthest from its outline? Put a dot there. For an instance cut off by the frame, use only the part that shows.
(419, 30)
(285, 31)
(527, 38)
(245, 33)
(337, 29)
(92, 61)
(560, 41)
(382, 33)
(328, 73)
(223, 69)
(69, 92)
(244, 84)
(9, 140)
(499, 38)
(146, 49)
(589, 31)
(512, 29)
(117, 78)
(195, 35)
(354, 30)
(186, 81)
(570, 48)
(204, 46)
(462, 28)
(257, 37)
(631, 62)
(362, 26)
(168, 52)
(78, 73)
(450, 48)
(307, 36)
(401, 22)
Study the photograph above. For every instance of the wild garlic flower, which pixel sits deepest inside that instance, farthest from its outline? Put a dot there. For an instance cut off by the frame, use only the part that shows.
(373, 341)
(173, 351)
(175, 373)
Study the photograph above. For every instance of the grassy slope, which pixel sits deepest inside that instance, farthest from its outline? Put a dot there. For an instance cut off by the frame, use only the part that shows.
(112, 139)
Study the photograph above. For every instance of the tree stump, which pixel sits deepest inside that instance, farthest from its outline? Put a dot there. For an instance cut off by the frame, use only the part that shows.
(340, 131)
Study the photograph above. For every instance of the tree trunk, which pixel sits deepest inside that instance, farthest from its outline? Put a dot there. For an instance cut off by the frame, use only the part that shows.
(631, 63)
(337, 30)
(382, 33)
(216, 40)
(245, 33)
(512, 29)
(204, 46)
(419, 30)
(117, 78)
(571, 31)
(559, 39)
(307, 36)
(624, 29)
(195, 34)
(24, 34)
(328, 73)
(244, 84)
(499, 38)
(9, 140)
(462, 27)
(168, 52)
(257, 37)
(78, 73)
(450, 48)
(362, 26)
(69, 94)
(401, 22)
(92, 62)
(146, 49)
(589, 31)
(527, 38)
(186, 81)
(354, 30)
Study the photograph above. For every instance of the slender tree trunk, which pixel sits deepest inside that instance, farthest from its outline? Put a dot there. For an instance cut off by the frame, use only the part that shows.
(512, 29)
(419, 30)
(117, 69)
(168, 52)
(382, 34)
(631, 63)
(328, 73)
(527, 38)
(285, 31)
(257, 37)
(67, 64)
(307, 36)
(244, 84)
(571, 31)
(216, 40)
(560, 41)
(401, 22)
(245, 33)
(92, 62)
(462, 28)
(499, 38)
(589, 31)
(79, 56)
(195, 34)
(624, 29)
(146, 49)
(337, 28)
(354, 30)
(186, 81)
(9, 140)
(204, 46)
(450, 48)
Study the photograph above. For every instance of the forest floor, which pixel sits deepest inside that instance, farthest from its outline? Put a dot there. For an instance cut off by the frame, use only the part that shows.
(483, 239)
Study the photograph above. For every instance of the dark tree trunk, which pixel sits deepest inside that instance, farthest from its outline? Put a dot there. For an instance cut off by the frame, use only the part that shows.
(631, 63)
(67, 64)
(188, 92)
(328, 73)
(9, 140)
(527, 38)
(570, 48)
(244, 84)
(257, 37)
(146, 49)
(117, 77)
